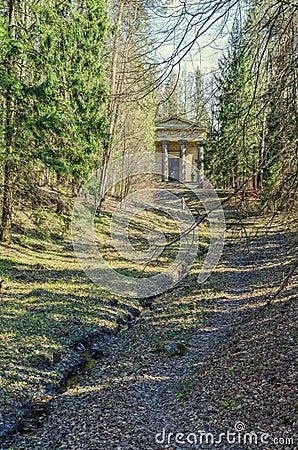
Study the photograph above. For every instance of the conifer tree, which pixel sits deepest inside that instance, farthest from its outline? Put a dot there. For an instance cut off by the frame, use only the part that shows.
(51, 90)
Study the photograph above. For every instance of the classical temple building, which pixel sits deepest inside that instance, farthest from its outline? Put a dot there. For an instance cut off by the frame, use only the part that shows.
(176, 137)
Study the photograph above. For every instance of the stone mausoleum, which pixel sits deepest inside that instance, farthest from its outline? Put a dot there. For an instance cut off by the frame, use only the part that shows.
(176, 137)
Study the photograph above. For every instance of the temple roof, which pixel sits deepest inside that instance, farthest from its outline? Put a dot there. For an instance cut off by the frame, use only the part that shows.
(176, 128)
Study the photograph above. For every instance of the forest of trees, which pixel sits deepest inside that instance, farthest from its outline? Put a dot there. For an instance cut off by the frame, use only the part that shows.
(82, 82)
(52, 100)
(257, 113)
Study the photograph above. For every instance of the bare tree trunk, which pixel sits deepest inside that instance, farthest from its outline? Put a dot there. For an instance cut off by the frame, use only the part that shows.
(114, 67)
(5, 234)
(262, 150)
(106, 152)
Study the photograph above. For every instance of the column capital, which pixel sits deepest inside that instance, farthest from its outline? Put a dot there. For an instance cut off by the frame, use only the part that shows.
(164, 146)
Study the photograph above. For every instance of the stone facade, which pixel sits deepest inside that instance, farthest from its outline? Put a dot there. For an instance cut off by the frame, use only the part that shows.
(181, 144)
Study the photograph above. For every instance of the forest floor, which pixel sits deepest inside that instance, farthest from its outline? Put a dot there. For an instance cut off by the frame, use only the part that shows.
(205, 366)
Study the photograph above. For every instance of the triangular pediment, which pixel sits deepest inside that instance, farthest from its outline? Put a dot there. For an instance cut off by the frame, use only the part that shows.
(177, 129)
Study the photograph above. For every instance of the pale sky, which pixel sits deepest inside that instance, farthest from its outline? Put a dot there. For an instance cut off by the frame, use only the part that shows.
(213, 34)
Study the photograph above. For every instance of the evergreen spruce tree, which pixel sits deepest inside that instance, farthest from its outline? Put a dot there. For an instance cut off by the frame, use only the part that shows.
(51, 91)
(234, 154)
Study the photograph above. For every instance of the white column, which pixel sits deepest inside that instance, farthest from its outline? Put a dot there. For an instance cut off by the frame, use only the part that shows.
(165, 161)
(182, 162)
(200, 164)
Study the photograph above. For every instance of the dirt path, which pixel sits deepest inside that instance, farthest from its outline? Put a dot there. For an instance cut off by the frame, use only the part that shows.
(136, 392)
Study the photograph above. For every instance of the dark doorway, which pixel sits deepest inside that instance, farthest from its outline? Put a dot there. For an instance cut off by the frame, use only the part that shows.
(173, 168)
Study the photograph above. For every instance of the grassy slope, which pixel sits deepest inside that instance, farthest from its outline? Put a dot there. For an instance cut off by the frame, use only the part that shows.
(47, 302)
